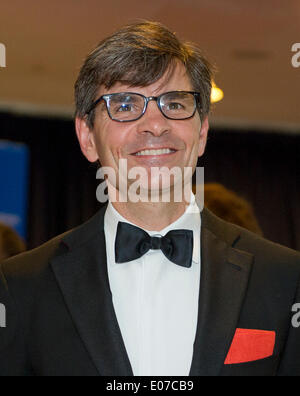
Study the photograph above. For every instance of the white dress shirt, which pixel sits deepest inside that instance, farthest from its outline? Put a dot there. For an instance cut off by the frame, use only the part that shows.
(156, 301)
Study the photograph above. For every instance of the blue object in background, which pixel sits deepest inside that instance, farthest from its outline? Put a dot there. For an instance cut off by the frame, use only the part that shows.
(14, 159)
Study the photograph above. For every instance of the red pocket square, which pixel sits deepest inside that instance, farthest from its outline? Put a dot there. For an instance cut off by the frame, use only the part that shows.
(249, 345)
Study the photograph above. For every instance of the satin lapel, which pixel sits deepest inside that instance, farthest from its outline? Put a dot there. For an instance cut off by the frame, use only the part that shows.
(83, 279)
(224, 278)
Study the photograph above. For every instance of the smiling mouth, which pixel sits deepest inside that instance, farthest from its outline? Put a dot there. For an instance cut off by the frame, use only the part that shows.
(155, 152)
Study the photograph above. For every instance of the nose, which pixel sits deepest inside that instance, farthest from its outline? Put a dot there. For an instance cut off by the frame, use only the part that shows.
(153, 121)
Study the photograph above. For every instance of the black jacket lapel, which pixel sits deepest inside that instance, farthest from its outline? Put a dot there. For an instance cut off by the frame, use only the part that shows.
(224, 278)
(83, 279)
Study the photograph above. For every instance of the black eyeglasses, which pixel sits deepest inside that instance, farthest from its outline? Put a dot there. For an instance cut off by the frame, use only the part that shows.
(129, 106)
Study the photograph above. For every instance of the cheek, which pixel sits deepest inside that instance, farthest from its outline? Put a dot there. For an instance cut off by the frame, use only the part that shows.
(194, 134)
(109, 144)
(114, 143)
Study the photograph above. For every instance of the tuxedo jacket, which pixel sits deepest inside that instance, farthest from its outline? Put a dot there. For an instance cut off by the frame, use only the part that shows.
(60, 319)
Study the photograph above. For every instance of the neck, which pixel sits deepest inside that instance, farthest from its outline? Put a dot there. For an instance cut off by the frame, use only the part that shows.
(152, 216)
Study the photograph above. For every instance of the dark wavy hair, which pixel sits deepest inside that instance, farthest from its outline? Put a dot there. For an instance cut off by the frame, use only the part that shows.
(231, 207)
(139, 55)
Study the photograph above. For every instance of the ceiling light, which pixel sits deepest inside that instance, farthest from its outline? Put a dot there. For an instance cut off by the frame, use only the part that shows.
(216, 94)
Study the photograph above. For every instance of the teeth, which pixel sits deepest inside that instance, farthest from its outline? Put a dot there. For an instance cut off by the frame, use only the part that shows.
(155, 152)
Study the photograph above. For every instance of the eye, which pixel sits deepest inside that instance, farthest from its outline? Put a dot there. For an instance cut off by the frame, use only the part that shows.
(125, 107)
(175, 106)
(126, 104)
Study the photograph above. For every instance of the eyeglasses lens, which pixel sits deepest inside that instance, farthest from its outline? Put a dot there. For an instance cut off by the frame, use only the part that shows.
(129, 107)
(124, 107)
(178, 105)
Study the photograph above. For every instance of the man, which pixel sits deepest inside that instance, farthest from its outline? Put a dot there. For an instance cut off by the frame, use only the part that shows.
(10, 242)
(149, 288)
(231, 207)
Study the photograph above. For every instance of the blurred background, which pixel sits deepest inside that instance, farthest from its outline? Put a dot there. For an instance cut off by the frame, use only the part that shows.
(47, 187)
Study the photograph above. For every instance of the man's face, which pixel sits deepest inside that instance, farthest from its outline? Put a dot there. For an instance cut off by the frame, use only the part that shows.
(110, 141)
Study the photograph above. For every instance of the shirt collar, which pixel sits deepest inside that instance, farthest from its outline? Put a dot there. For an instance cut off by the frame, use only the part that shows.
(190, 220)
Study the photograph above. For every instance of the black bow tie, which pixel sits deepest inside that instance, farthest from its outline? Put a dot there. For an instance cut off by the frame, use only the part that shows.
(133, 242)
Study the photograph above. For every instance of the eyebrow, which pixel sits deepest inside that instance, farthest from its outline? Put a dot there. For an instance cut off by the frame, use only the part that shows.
(175, 94)
(127, 95)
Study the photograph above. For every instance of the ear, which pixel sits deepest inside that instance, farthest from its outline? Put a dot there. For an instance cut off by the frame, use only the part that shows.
(203, 136)
(86, 140)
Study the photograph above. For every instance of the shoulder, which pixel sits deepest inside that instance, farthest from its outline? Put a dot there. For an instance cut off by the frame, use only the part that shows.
(265, 252)
(32, 264)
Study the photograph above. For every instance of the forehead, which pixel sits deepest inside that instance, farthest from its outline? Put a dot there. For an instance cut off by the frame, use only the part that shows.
(175, 79)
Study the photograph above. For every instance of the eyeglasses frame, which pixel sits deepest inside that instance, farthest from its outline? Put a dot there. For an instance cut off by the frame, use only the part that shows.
(106, 97)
